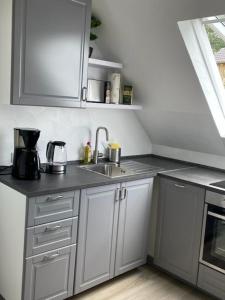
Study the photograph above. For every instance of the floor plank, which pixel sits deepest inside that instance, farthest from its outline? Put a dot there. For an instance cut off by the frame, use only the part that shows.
(144, 283)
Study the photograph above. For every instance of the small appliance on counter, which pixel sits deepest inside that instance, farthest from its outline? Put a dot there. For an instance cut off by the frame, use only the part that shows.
(56, 157)
(26, 161)
(114, 153)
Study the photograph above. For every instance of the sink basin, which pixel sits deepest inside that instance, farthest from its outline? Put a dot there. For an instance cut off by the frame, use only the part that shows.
(126, 168)
(109, 170)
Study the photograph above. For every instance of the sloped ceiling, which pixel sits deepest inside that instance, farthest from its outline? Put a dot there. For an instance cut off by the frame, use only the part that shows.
(144, 36)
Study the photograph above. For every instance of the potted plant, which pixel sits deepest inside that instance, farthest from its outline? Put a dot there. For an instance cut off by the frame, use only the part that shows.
(95, 22)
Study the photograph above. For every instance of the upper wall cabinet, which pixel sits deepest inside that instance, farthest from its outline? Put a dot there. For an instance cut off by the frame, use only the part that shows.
(50, 52)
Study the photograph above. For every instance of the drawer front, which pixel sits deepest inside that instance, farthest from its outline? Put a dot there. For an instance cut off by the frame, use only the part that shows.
(50, 275)
(215, 198)
(211, 281)
(50, 208)
(51, 236)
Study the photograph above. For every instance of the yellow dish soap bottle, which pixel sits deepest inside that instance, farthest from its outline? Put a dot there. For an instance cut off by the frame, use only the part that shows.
(87, 153)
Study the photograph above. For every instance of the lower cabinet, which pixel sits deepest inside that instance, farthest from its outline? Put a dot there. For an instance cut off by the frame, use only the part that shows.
(180, 215)
(211, 281)
(112, 232)
(50, 275)
(133, 226)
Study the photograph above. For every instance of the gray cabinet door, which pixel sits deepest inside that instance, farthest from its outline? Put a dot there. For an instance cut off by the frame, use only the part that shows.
(96, 236)
(51, 41)
(134, 216)
(50, 275)
(180, 214)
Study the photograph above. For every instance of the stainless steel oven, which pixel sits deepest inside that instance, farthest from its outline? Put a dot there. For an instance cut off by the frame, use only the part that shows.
(213, 235)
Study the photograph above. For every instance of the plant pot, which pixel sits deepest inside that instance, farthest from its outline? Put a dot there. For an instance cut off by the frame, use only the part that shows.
(90, 51)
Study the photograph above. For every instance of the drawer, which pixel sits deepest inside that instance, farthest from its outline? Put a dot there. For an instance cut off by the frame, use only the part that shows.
(211, 281)
(54, 207)
(50, 275)
(215, 198)
(51, 236)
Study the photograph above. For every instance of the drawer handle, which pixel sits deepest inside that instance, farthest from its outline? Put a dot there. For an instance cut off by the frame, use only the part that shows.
(50, 257)
(49, 229)
(51, 199)
(179, 186)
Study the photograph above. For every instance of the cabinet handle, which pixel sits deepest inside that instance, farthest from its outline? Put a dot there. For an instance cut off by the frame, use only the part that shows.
(118, 194)
(50, 257)
(49, 229)
(84, 94)
(123, 194)
(52, 199)
(179, 186)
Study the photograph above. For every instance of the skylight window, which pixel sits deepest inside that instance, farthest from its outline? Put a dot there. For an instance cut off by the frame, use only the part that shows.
(205, 42)
(215, 28)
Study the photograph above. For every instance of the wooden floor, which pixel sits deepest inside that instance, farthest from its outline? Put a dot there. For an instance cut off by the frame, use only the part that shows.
(143, 284)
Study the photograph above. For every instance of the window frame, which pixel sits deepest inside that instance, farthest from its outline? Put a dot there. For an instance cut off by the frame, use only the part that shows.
(198, 46)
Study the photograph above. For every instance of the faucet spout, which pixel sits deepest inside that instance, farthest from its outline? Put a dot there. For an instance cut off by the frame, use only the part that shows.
(97, 141)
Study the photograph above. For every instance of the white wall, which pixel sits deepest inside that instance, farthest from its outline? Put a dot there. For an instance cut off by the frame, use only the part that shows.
(74, 126)
(145, 36)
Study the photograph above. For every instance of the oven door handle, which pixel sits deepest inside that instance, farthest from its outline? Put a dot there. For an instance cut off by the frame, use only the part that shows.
(220, 217)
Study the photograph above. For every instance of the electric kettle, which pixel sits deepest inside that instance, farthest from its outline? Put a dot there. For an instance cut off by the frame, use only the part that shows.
(56, 157)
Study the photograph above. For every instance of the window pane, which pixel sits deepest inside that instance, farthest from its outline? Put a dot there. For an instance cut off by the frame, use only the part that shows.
(216, 35)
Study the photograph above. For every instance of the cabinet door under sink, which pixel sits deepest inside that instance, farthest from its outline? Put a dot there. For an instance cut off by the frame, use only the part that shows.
(97, 236)
(134, 217)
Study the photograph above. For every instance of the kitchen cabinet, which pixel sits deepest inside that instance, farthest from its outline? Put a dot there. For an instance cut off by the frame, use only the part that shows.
(133, 224)
(211, 281)
(43, 230)
(50, 51)
(50, 275)
(97, 236)
(180, 215)
(112, 232)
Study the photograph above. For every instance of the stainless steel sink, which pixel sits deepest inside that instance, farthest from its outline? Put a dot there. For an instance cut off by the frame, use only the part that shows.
(109, 170)
(126, 168)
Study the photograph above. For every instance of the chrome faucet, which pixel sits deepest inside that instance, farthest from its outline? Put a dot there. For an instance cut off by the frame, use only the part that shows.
(96, 142)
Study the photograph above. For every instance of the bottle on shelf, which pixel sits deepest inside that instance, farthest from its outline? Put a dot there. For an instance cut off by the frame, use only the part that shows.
(115, 79)
(107, 92)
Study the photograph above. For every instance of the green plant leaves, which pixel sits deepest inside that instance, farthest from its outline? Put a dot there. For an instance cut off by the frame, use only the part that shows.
(93, 37)
(95, 22)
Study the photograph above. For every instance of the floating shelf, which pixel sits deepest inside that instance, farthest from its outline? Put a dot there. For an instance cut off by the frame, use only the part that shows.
(113, 106)
(104, 64)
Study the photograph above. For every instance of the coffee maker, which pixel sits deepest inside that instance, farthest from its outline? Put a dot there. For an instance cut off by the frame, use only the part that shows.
(26, 162)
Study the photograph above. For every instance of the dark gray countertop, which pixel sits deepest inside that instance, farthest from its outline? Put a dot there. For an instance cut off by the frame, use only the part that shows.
(78, 178)
(198, 176)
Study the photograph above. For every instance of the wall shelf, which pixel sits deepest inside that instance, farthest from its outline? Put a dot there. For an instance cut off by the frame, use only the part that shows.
(112, 106)
(93, 62)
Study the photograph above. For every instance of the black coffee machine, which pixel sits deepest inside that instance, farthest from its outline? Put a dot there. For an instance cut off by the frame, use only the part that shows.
(26, 162)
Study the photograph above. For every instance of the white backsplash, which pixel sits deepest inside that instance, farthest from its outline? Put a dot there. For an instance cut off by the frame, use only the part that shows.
(74, 126)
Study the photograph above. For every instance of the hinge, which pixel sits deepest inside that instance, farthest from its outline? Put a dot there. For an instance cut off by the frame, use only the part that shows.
(84, 94)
